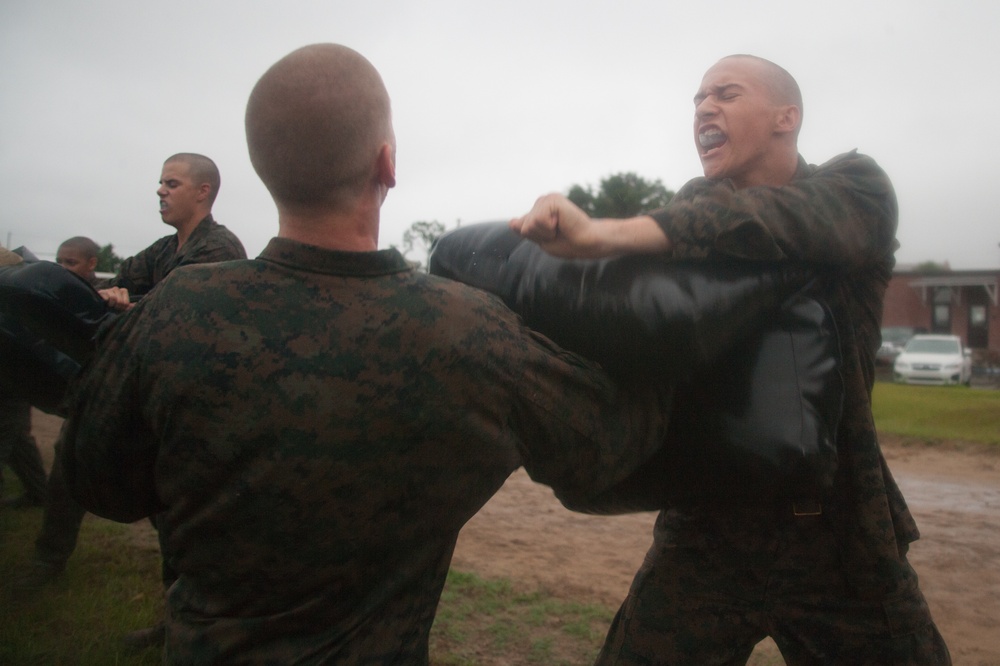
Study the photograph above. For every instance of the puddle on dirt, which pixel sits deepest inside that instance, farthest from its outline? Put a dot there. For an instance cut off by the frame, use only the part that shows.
(949, 496)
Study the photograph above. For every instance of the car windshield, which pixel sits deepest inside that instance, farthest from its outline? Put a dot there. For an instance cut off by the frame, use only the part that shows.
(896, 334)
(925, 346)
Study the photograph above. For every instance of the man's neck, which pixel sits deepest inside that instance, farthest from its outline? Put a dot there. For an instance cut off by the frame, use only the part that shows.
(186, 228)
(778, 170)
(347, 231)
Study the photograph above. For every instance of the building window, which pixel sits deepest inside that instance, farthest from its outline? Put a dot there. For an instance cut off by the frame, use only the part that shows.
(941, 322)
(979, 330)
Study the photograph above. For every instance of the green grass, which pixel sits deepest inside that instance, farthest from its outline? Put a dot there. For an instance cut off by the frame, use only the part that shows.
(479, 620)
(110, 587)
(935, 413)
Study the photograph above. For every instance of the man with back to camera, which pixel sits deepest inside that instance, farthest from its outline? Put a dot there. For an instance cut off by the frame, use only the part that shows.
(830, 583)
(315, 426)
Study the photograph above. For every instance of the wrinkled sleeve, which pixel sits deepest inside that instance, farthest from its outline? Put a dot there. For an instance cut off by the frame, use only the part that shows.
(842, 213)
(137, 273)
(111, 452)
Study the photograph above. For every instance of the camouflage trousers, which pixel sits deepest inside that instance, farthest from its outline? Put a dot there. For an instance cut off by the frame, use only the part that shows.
(715, 583)
(19, 450)
(62, 518)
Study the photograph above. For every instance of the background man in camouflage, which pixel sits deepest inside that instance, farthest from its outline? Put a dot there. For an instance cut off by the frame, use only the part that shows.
(189, 184)
(833, 587)
(316, 425)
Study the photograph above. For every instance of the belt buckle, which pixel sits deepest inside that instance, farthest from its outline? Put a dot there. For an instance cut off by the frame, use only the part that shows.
(807, 508)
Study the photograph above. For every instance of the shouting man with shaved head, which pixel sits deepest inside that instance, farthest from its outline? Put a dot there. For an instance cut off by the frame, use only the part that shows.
(827, 579)
(315, 426)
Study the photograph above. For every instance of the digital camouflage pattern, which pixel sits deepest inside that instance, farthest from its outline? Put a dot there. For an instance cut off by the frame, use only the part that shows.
(830, 589)
(208, 243)
(316, 427)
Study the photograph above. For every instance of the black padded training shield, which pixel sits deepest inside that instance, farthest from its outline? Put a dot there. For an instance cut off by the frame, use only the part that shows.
(753, 360)
(49, 317)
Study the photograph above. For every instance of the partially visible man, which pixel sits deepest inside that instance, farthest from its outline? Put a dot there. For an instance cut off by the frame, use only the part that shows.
(189, 184)
(316, 425)
(829, 582)
(18, 448)
(79, 255)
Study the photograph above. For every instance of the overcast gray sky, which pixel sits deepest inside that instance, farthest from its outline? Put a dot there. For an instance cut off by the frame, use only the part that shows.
(494, 104)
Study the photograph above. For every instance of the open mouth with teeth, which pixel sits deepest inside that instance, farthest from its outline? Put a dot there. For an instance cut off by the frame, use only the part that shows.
(711, 139)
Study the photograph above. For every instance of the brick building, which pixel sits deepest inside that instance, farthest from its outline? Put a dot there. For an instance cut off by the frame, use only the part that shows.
(962, 303)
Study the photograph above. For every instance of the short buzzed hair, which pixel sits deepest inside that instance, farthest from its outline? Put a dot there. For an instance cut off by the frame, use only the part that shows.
(783, 86)
(88, 248)
(315, 122)
(202, 170)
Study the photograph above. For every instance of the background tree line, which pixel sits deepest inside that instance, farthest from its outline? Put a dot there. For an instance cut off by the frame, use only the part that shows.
(107, 260)
(619, 195)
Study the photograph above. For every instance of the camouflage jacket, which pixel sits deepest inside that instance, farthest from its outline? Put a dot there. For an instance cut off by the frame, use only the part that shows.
(316, 427)
(208, 243)
(840, 220)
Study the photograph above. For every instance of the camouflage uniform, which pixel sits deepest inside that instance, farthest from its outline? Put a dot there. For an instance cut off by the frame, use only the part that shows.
(209, 242)
(316, 427)
(834, 588)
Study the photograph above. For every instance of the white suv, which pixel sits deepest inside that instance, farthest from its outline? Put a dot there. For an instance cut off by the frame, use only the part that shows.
(933, 359)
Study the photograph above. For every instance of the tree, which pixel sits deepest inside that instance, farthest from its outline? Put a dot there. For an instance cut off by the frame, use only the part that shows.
(933, 267)
(107, 260)
(621, 195)
(421, 235)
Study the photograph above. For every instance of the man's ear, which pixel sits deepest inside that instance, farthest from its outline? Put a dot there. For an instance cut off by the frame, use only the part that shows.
(91, 264)
(788, 119)
(203, 191)
(386, 166)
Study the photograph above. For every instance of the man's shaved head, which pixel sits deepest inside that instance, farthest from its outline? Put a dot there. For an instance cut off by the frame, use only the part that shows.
(315, 123)
(784, 89)
(201, 169)
(83, 245)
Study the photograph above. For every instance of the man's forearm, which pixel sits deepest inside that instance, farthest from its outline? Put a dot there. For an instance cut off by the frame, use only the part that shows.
(634, 235)
(562, 229)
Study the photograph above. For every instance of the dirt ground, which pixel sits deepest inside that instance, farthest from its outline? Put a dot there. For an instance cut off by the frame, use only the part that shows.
(525, 535)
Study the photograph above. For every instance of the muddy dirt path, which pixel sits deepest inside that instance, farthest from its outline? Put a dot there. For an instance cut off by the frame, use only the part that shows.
(524, 534)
